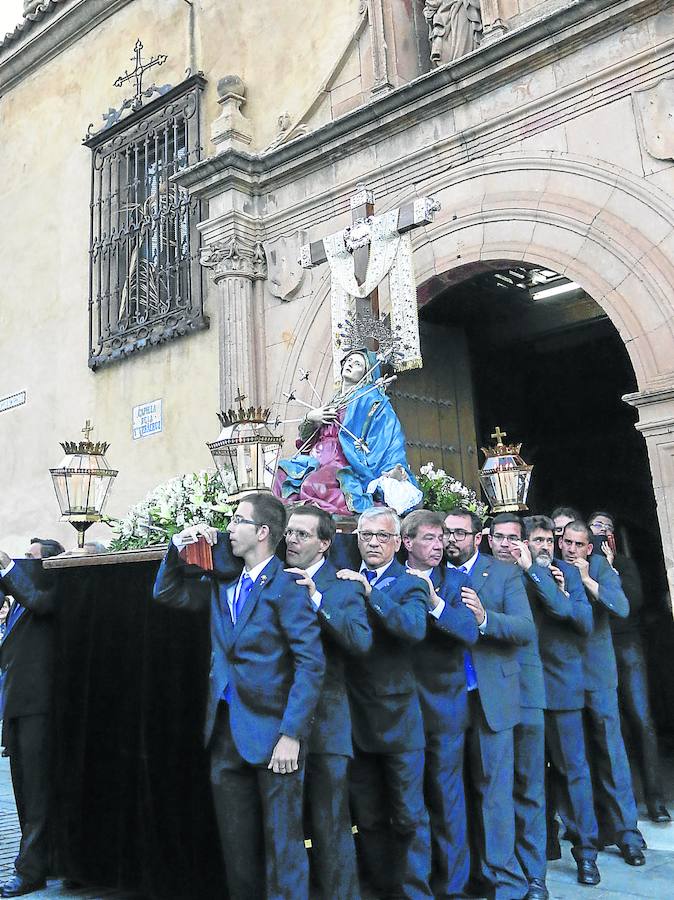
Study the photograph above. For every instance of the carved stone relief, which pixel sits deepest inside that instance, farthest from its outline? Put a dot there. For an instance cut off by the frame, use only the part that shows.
(285, 274)
(654, 110)
(454, 28)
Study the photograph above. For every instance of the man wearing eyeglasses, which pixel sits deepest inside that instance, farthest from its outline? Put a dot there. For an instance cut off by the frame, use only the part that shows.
(346, 633)
(614, 796)
(387, 772)
(439, 669)
(632, 669)
(507, 545)
(267, 667)
(497, 599)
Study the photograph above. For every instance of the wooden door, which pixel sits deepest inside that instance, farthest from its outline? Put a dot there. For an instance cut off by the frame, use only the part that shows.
(435, 405)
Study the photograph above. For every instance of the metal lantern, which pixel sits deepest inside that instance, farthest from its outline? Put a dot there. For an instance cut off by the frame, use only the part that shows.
(246, 451)
(505, 476)
(82, 482)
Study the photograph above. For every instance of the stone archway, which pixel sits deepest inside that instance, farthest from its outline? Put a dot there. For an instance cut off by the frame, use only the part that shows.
(606, 229)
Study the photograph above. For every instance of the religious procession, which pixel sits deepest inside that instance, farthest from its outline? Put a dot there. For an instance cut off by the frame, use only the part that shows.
(352, 456)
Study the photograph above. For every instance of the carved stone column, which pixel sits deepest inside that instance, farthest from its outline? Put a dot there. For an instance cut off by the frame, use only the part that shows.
(656, 423)
(239, 267)
(494, 21)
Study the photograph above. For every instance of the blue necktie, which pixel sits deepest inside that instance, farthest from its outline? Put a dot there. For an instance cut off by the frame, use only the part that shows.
(245, 587)
(468, 667)
(15, 614)
(370, 575)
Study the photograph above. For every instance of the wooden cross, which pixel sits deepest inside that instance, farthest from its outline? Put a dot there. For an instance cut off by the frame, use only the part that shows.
(410, 216)
(240, 397)
(86, 431)
(498, 435)
(137, 74)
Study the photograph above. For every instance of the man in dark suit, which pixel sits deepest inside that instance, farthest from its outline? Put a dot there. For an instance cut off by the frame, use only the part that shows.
(441, 683)
(613, 783)
(563, 620)
(267, 668)
(505, 541)
(497, 599)
(26, 659)
(632, 671)
(346, 632)
(387, 773)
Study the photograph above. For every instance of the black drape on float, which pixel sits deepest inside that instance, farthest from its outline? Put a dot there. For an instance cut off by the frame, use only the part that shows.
(131, 805)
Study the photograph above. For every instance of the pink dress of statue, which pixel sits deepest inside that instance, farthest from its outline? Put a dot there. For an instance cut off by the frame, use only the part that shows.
(321, 487)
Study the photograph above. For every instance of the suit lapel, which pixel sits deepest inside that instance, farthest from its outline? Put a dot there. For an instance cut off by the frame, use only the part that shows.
(263, 579)
(479, 574)
(324, 574)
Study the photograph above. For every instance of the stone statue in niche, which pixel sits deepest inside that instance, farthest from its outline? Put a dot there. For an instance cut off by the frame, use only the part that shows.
(454, 28)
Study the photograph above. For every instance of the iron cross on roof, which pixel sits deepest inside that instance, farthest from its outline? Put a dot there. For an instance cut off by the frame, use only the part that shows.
(138, 72)
(410, 216)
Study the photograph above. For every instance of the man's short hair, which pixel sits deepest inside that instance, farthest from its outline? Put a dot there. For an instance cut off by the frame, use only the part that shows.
(378, 512)
(538, 523)
(325, 526)
(599, 512)
(421, 518)
(475, 520)
(567, 512)
(578, 525)
(505, 519)
(49, 547)
(269, 511)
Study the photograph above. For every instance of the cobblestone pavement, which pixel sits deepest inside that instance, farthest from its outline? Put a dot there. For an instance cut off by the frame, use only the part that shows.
(618, 881)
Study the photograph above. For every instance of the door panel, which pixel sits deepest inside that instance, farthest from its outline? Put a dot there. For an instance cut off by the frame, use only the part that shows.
(435, 405)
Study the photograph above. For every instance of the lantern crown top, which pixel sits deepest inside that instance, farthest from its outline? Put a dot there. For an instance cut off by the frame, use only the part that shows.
(499, 448)
(98, 448)
(254, 415)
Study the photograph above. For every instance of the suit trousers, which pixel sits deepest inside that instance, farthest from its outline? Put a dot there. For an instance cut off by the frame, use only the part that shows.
(259, 815)
(334, 853)
(446, 804)
(636, 710)
(529, 793)
(491, 771)
(27, 739)
(571, 780)
(611, 776)
(394, 840)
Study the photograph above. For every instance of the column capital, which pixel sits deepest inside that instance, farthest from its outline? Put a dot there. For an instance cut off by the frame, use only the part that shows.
(235, 257)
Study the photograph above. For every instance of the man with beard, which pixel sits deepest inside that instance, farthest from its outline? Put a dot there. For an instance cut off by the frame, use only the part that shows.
(505, 540)
(614, 794)
(497, 599)
(441, 683)
(563, 620)
(345, 630)
(387, 773)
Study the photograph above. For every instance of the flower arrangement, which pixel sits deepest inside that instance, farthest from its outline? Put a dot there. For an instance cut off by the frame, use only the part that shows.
(172, 506)
(442, 492)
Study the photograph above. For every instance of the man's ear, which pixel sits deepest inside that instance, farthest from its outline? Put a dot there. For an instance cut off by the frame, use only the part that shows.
(590, 548)
(407, 540)
(478, 539)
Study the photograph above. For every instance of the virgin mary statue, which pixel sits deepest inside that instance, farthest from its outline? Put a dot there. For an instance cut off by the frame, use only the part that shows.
(351, 453)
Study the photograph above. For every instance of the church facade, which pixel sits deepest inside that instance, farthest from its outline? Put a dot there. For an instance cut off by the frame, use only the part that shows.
(157, 260)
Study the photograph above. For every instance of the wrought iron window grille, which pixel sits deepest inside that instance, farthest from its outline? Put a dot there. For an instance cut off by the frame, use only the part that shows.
(145, 278)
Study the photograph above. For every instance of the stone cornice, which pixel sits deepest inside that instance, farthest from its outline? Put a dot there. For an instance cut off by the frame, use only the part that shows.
(520, 52)
(37, 41)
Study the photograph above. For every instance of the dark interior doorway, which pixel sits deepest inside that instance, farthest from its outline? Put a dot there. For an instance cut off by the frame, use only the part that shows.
(551, 372)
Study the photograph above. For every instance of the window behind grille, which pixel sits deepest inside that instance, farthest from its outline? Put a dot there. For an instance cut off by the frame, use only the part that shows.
(145, 277)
